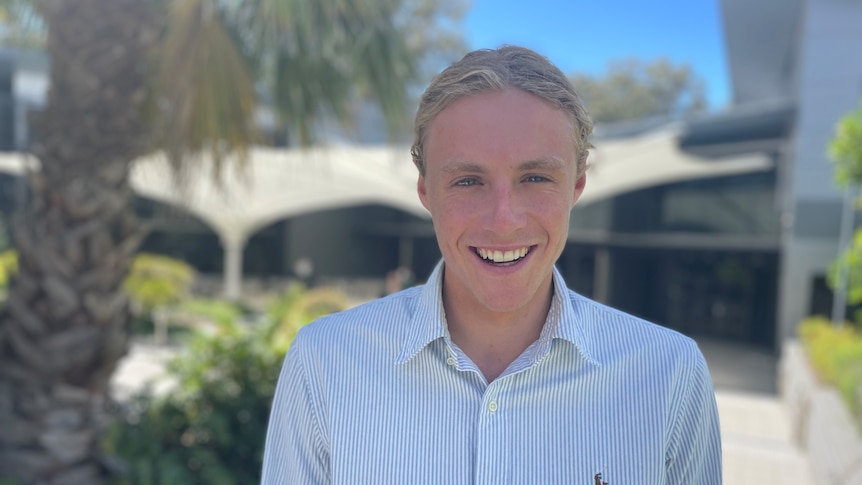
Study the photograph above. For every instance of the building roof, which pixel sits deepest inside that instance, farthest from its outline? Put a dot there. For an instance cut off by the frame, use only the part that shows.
(654, 158)
(742, 128)
(761, 40)
(280, 183)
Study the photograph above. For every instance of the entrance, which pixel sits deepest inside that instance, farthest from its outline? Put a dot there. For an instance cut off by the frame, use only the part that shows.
(728, 296)
(723, 295)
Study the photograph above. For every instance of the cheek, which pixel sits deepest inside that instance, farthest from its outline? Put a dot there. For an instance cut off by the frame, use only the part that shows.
(450, 217)
(458, 220)
(551, 206)
(555, 215)
(459, 205)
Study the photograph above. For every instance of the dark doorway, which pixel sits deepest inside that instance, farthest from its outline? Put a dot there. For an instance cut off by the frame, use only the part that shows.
(724, 295)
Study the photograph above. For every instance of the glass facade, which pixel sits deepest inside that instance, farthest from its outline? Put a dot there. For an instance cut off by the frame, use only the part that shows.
(733, 205)
(700, 256)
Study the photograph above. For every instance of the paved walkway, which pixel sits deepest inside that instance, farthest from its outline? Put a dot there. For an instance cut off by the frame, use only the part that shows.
(756, 437)
(757, 444)
(143, 365)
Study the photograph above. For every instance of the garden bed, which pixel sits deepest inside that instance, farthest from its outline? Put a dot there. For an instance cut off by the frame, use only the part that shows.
(821, 420)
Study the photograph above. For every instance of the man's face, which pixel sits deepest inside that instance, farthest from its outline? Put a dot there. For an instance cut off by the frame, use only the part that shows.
(500, 181)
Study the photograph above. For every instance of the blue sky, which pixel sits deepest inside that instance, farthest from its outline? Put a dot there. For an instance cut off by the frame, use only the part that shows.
(582, 36)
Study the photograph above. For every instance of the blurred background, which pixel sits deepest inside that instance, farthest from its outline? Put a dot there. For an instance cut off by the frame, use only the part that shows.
(185, 183)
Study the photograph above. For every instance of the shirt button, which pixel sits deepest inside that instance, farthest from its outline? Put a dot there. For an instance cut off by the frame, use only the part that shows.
(450, 361)
(492, 406)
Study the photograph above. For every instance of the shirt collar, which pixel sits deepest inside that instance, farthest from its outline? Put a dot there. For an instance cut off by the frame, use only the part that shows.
(428, 322)
(565, 321)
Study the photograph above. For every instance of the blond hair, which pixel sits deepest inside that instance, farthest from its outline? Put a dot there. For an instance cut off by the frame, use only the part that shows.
(496, 69)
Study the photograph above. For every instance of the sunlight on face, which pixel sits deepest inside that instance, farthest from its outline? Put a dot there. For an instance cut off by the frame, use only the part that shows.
(500, 183)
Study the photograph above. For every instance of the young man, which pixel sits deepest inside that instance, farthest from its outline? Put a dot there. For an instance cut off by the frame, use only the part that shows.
(494, 372)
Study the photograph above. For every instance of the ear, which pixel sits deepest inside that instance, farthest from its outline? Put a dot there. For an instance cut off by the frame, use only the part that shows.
(580, 183)
(423, 192)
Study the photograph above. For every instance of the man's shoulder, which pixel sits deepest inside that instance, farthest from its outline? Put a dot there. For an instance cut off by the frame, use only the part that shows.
(613, 331)
(387, 316)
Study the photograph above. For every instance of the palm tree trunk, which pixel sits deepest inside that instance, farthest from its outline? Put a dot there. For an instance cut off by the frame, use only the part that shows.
(65, 325)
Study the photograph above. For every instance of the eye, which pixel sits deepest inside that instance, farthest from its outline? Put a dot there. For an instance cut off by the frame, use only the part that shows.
(536, 178)
(466, 182)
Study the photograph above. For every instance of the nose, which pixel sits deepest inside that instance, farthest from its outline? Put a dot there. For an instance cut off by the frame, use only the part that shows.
(506, 213)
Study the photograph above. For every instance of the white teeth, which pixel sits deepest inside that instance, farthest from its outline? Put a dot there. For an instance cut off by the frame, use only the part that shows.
(502, 257)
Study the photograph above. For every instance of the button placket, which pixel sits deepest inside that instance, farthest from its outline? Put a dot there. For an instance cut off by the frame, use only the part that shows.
(492, 396)
(492, 453)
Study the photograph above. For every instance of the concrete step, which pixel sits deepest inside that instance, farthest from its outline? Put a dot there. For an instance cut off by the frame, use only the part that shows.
(757, 442)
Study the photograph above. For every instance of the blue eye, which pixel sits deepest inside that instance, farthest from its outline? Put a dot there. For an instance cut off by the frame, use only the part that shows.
(536, 178)
(467, 182)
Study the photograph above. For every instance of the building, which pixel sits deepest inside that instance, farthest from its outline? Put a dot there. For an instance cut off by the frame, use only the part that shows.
(721, 226)
(794, 83)
(741, 257)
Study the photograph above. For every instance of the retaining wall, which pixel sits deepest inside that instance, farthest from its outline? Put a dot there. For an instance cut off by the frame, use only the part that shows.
(821, 423)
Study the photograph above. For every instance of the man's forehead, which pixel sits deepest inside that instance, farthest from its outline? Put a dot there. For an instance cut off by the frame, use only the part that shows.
(460, 166)
(492, 98)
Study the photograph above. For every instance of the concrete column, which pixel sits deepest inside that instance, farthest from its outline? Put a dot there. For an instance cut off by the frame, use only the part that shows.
(602, 275)
(233, 246)
(801, 261)
(405, 252)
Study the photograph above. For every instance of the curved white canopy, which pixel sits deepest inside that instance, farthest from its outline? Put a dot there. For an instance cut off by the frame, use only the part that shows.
(279, 183)
(652, 159)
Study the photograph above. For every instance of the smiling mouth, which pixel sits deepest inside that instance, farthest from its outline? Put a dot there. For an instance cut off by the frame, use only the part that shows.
(502, 258)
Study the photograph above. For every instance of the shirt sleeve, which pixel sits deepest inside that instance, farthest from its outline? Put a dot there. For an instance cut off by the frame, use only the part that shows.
(296, 450)
(695, 450)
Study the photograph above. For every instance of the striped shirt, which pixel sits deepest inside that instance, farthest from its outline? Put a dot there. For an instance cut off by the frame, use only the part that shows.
(379, 394)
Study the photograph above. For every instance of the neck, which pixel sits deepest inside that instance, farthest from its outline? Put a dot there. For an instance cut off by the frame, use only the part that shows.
(493, 340)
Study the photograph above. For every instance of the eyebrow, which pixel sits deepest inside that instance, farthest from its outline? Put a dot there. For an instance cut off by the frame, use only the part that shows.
(550, 163)
(457, 166)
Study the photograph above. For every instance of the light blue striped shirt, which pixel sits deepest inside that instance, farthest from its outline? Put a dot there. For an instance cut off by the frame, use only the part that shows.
(379, 394)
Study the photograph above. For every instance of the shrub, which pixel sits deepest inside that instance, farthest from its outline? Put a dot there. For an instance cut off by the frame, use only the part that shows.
(211, 430)
(157, 281)
(219, 312)
(836, 355)
(850, 261)
(154, 283)
(298, 306)
(8, 268)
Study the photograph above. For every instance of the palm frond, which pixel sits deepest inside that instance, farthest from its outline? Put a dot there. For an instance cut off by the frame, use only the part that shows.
(323, 55)
(204, 93)
(20, 25)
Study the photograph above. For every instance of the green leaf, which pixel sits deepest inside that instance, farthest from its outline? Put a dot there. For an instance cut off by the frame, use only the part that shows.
(845, 149)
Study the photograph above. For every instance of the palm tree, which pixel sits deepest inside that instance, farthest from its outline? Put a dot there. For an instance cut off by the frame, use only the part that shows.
(65, 323)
